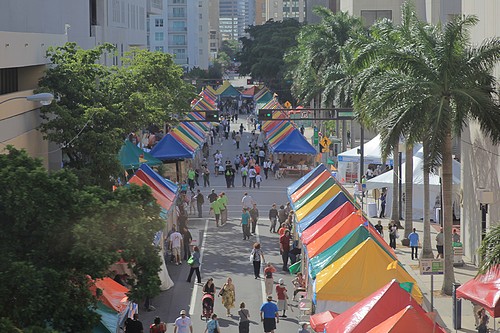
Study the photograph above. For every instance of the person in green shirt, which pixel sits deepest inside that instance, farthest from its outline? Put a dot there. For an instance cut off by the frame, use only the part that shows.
(215, 206)
(191, 176)
(223, 208)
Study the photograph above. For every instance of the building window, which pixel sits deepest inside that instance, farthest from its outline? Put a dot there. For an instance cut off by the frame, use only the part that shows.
(159, 36)
(179, 39)
(371, 16)
(179, 12)
(180, 53)
(179, 26)
(8, 80)
(212, 44)
(159, 22)
(159, 48)
(179, 1)
(200, 51)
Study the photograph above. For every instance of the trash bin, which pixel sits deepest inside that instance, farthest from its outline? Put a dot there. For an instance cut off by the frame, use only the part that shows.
(457, 308)
(371, 209)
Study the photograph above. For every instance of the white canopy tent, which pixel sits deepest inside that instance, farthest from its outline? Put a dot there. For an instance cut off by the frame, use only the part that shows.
(385, 180)
(349, 160)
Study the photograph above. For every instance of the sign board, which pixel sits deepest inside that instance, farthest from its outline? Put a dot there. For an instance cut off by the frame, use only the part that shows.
(287, 105)
(316, 136)
(195, 235)
(325, 142)
(431, 266)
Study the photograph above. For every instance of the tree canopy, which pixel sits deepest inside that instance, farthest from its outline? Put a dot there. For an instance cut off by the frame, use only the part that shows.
(99, 106)
(263, 51)
(56, 234)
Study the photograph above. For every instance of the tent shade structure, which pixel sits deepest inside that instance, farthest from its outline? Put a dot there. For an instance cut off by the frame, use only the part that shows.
(227, 90)
(343, 246)
(358, 274)
(169, 149)
(305, 179)
(109, 320)
(333, 203)
(484, 290)
(407, 320)
(131, 156)
(294, 143)
(385, 180)
(374, 309)
(310, 186)
(113, 294)
(329, 182)
(316, 202)
(327, 222)
(319, 320)
(332, 236)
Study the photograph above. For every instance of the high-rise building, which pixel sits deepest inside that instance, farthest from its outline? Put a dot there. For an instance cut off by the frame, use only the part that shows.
(278, 10)
(234, 17)
(213, 26)
(311, 17)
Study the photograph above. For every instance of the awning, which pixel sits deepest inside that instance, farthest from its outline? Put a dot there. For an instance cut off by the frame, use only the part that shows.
(294, 143)
(131, 156)
(484, 290)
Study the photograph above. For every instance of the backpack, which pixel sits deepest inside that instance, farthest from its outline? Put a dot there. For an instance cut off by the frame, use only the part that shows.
(244, 173)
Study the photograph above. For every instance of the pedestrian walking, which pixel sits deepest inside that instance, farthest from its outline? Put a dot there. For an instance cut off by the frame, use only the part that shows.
(302, 129)
(258, 180)
(268, 278)
(187, 238)
(282, 215)
(269, 315)
(228, 294)
(175, 246)
(247, 201)
(183, 323)
(223, 207)
(229, 173)
(206, 177)
(251, 176)
(215, 207)
(213, 325)
(266, 167)
(236, 163)
(245, 224)
(254, 215)
(237, 138)
(244, 324)
(241, 129)
(282, 295)
(285, 248)
(256, 256)
(158, 326)
(212, 196)
(134, 325)
(244, 175)
(440, 244)
(200, 200)
(413, 237)
(379, 228)
(383, 200)
(195, 265)
(393, 234)
(273, 218)
(484, 319)
(191, 176)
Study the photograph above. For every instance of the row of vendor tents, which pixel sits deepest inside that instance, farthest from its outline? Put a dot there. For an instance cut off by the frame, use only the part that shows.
(354, 278)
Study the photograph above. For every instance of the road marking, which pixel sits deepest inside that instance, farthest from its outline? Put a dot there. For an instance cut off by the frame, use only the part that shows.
(195, 288)
(262, 283)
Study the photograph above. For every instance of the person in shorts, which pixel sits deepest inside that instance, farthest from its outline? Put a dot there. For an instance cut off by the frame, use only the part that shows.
(269, 315)
(175, 246)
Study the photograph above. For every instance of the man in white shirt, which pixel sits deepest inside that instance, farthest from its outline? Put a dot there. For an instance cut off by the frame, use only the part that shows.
(247, 201)
(175, 246)
(183, 324)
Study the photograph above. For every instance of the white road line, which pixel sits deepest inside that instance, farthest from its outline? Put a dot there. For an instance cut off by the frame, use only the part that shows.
(195, 288)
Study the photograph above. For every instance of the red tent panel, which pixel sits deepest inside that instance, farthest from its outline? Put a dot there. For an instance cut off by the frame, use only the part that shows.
(113, 294)
(310, 186)
(484, 290)
(407, 320)
(319, 320)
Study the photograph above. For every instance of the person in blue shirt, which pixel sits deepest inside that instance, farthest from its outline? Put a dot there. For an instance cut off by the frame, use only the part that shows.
(269, 315)
(212, 325)
(413, 237)
(245, 223)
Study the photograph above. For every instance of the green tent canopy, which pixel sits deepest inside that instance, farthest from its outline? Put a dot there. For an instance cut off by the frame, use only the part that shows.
(295, 268)
(131, 156)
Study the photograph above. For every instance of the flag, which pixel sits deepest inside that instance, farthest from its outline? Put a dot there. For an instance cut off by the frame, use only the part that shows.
(295, 268)
(392, 265)
(408, 286)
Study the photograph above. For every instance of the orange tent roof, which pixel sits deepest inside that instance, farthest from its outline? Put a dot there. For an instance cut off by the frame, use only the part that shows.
(407, 320)
(326, 223)
(310, 186)
(114, 295)
(319, 320)
(335, 234)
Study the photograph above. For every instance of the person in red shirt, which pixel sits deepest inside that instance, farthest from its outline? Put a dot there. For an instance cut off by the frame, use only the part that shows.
(281, 292)
(269, 280)
(285, 248)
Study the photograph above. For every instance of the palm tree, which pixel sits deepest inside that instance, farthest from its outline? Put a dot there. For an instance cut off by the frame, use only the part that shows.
(408, 190)
(437, 80)
(489, 251)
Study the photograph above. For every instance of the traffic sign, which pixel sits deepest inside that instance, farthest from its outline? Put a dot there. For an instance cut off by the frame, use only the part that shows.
(316, 136)
(325, 142)
(287, 104)
(431, 266)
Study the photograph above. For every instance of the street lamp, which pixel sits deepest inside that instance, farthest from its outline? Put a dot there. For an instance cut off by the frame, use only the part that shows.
(43, 98)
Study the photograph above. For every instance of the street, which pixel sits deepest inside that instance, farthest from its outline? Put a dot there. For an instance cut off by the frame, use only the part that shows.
(224, 254)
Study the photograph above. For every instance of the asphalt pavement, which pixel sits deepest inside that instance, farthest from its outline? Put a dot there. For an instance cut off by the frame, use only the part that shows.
(225, 254)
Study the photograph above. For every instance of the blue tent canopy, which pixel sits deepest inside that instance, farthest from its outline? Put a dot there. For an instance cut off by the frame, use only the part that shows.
(170, 149)
(294, 143)
(305, 179)
(167, 183)
(322, 211)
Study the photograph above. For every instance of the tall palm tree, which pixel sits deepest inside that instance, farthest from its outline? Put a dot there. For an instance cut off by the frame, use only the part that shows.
(489, 251)
(444, 82)
(408, 189)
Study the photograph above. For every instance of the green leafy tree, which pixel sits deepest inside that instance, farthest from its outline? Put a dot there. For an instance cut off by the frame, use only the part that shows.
(57, 233)
(489, 251)
(263, 52)
(98, 106)
(231, 47)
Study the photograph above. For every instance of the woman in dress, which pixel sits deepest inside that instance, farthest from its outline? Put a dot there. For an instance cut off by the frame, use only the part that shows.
(256, 255)
(228, 294)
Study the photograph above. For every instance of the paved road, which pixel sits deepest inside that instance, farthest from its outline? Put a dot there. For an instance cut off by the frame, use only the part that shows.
(225, 254)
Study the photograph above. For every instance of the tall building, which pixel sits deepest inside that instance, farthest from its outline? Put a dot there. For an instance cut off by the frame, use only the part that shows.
(278, 10)
(311, 17)
(234, 17)
(213, 28)
(480, 160)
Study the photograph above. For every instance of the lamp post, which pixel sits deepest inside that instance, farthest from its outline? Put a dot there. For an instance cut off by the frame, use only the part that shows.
(43, 98)
(402, 147)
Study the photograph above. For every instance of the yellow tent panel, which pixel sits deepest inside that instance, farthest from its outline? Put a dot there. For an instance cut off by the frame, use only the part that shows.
(359, 273)
(315, 203)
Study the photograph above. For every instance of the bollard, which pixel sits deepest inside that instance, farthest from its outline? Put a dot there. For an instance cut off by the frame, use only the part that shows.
(457, 308)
